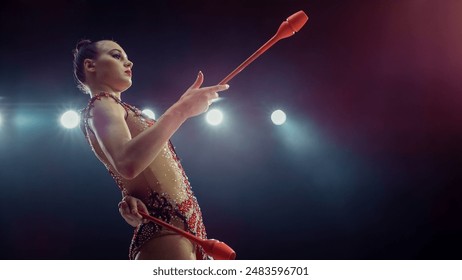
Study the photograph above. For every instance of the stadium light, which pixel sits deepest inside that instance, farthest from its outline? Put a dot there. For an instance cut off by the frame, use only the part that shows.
(70, 119)
(214, 117)
(149, 113)
(278, 117)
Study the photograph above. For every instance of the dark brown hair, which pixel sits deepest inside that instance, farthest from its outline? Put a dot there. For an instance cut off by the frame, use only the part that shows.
(83, 50)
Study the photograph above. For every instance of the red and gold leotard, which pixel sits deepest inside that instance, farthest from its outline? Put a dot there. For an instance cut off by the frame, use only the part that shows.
(163, 186)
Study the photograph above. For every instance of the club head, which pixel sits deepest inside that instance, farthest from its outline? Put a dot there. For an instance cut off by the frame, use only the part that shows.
(219, 250)
(297, 20)
(291, 25)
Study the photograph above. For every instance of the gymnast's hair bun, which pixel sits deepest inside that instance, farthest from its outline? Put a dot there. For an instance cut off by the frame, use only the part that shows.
(82, 43)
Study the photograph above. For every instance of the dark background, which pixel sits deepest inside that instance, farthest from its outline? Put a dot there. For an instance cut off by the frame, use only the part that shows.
(368, 165)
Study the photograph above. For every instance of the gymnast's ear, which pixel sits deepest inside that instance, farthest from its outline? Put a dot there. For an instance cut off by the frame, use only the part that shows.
(89, 65)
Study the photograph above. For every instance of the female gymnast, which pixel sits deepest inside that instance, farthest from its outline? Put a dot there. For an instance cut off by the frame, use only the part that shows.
(137, 151)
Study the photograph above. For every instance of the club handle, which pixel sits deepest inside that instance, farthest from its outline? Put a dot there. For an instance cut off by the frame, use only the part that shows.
(251, 58)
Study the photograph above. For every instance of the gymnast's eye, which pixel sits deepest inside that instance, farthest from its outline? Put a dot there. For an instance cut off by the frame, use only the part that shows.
(116, 55)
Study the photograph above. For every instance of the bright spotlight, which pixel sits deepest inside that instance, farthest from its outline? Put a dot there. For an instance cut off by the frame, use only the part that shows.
(214, 117)
(70, 119)
(149, 113)
(278, 117)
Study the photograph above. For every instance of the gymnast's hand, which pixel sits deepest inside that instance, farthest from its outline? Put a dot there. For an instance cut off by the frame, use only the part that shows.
(196, 100)
(129, 207)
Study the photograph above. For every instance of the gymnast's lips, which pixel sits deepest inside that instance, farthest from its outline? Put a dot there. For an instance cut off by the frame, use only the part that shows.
(129, 72)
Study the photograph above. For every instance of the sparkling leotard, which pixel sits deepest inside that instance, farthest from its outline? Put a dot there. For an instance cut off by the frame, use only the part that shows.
(163, 186)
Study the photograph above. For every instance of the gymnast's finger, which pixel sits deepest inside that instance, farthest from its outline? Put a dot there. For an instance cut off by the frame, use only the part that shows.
(142, 207)
(216, 88)
(123, 208)
(132, 203)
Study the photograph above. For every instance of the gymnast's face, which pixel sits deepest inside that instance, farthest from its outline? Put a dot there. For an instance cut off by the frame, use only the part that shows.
(112, 69)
